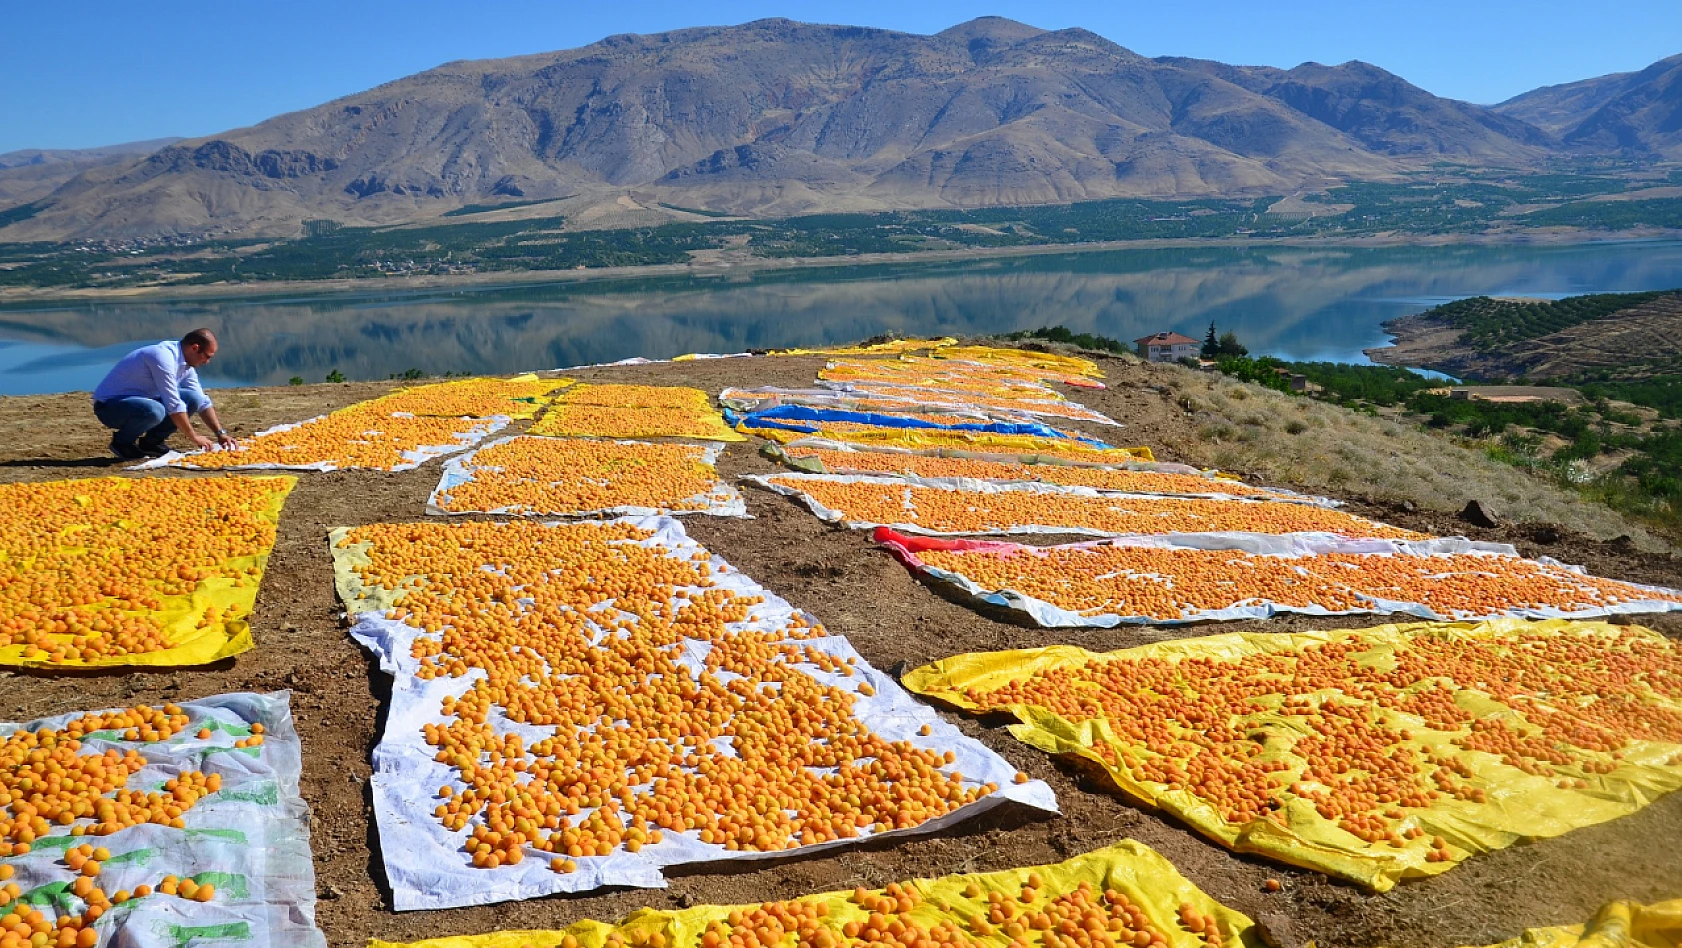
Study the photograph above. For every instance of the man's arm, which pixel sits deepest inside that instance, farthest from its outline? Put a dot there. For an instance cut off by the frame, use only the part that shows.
(222, 437)
(184, 424)
(168, 388)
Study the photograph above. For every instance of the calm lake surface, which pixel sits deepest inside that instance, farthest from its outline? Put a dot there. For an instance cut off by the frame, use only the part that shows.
(1296, 303)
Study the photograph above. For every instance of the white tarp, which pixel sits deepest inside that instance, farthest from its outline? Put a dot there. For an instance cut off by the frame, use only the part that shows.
(250, 839)
(425, 863)
(1215, 483)
(482, 428)
(790, 487)
(1304, 546)
(722, 500)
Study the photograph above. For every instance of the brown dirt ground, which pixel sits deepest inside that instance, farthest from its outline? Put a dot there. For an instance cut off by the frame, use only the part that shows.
(892, 619)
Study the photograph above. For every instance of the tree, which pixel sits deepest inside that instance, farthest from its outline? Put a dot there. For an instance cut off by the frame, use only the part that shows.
(1230, 346)
(1211, 347)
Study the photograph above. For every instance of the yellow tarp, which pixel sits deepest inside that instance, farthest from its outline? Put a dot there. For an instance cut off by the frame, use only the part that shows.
(1443, 739)
(517, 397)
(1616, 925)
(634, 411)
(597, 421)
(1026, 358)
(891, 347)
(105, 561)
(1129, 868)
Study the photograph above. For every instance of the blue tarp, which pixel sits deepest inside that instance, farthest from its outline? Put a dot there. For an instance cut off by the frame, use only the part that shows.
(810, 420)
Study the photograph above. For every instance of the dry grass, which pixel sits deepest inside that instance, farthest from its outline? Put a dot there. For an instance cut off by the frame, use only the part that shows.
(1313, 445)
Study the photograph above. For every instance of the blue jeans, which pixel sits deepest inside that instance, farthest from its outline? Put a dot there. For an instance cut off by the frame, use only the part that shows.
(136, 418)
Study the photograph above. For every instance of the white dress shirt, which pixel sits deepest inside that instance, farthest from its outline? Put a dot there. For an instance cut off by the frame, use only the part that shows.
(158, 372)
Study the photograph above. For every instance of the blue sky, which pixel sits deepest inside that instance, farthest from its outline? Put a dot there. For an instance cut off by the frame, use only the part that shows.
(77, 73)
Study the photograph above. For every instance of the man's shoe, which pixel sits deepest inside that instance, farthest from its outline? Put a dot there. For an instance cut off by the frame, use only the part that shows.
(152, 449)
(128, 452)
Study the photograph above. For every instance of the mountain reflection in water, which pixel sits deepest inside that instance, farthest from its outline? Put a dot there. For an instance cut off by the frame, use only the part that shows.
(1299, 303)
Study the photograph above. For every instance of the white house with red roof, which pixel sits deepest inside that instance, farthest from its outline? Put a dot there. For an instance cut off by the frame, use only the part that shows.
(1167, 347)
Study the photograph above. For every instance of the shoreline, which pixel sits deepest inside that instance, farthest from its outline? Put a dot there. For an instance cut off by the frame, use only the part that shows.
(747, 265)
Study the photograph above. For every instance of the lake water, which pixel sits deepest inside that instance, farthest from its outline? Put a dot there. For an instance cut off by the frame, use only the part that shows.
(1296, 303)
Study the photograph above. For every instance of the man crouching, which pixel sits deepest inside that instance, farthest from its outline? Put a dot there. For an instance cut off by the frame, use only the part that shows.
(153, 392)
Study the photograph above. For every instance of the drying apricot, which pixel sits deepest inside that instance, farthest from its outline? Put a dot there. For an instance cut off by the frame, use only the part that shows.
(573, 476)
(747, 751)
(88, 567)
(955, 510)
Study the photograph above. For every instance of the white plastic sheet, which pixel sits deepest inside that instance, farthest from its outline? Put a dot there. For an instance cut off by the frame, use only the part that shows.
(251, 838)
(1305, 546)
(789, 486)
(721, 501)
(1218, 488)
(425, 863)
(481, 429)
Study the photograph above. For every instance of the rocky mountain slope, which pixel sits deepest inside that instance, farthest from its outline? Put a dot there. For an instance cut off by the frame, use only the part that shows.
(35, 172)
(776, 117)
(1636, 113)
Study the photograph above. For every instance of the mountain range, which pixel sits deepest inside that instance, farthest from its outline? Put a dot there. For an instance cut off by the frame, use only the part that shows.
(776, 118)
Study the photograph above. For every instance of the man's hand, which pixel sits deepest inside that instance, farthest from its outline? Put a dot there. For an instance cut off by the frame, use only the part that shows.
(203, 443)
(225, 440)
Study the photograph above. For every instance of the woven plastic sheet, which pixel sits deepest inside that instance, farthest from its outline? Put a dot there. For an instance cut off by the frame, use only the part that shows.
(529, 476)
(979, 443)
(894, 399)
(350, 439)
(818, 456)
(133, 571)
(1128, 881)
(964, 507)
(586, 622)
(1375, 755)
(954, 375)
(249, 839)
(1181, 578)
(788, 422)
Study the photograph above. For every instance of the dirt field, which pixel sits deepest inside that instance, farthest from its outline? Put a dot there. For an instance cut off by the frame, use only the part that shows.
(856, 590)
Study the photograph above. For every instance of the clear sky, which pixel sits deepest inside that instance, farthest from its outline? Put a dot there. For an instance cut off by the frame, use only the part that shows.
(78, 73)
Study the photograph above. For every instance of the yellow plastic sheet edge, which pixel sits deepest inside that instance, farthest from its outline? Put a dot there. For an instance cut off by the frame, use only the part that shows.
(1130, 867)
(1617, 925)
(194, 646)
(1519, 807)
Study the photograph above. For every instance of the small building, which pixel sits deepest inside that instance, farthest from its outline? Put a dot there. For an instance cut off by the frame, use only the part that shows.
(1167, 347)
